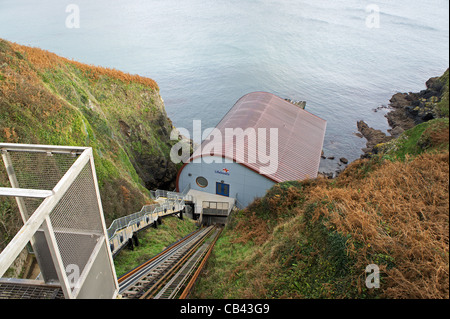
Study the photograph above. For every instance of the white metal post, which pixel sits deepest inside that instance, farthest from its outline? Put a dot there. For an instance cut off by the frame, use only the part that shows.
(100, 207)
(57, 259)
(10, 253)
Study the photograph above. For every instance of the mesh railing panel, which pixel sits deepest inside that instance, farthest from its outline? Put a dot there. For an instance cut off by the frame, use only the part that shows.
(78, 209)
(76, 221)
(73, 214)
(37, 170)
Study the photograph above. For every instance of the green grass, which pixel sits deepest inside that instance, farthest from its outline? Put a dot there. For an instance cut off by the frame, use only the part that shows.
(152, 241)
(417, 140)
(221, 281)
(300, 259)
(443, 104)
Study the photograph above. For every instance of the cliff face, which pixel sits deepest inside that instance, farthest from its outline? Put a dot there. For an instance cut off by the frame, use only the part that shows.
(47, 99)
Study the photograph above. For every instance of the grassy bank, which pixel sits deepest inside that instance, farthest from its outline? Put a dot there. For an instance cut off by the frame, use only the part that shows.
(153, 241)
(315, 239)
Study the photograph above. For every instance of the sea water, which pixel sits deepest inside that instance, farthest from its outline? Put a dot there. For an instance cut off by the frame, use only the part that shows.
(345, 58)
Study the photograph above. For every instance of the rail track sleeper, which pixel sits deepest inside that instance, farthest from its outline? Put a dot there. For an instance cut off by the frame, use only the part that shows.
(174, 285)
(147, 279)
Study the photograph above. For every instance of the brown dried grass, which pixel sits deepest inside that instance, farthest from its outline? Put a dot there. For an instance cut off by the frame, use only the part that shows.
(394, 214)
(24, 87)
(275, 207)
(251, 228)
(42, 59)
(398, 215)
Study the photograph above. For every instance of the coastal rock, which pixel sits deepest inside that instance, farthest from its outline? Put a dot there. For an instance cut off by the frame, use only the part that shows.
(325, 175)
(400, 120)
(400, 100)
(330, 175)
(300, 104)
(373, 137)
(406, 111)
(344, 160)
(410, 109)
(435, 84)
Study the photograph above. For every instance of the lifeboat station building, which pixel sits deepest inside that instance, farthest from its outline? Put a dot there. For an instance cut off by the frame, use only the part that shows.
(261, 141)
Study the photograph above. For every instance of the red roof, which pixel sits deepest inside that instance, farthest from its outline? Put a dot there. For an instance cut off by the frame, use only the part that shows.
(300, 136)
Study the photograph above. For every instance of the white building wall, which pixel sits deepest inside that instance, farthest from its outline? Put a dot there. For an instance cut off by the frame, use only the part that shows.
(245, 184)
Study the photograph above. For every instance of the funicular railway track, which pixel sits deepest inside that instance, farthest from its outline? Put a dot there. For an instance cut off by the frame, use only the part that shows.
(170, 273)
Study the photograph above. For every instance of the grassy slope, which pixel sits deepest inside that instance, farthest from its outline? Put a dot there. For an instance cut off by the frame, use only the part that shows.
(153, 241)
(314, 239)
(423, 137)
(442, 105)
(46, 99)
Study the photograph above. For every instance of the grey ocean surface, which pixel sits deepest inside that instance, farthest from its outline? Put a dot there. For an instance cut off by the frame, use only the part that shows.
(206, 54)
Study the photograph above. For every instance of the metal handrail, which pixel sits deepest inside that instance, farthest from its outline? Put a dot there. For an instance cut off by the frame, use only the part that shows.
(172, 198)
(121, 229)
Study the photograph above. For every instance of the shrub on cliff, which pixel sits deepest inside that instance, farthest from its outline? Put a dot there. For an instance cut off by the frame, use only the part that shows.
(428, 136)
(443, 104)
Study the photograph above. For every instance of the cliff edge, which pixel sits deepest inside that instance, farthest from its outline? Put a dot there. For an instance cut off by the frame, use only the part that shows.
(48, 99)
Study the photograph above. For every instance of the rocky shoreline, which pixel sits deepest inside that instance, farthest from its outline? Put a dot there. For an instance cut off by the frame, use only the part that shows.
(406, 111)
(342, 163)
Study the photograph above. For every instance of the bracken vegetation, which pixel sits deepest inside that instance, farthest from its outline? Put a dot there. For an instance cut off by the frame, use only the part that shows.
(314, 239)
(44, 60)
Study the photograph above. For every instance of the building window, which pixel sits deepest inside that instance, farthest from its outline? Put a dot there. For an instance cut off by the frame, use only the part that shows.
(202, 182)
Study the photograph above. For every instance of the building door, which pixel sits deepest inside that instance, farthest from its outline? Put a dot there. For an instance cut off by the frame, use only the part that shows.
(223, 189)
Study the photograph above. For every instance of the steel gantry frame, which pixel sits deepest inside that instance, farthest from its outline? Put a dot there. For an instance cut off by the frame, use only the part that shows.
(66, 228)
